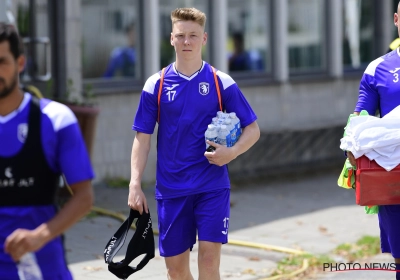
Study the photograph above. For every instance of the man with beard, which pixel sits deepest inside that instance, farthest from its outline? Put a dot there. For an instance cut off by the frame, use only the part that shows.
(39, 140)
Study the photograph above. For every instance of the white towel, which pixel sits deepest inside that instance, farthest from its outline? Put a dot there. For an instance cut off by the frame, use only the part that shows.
(376, 138)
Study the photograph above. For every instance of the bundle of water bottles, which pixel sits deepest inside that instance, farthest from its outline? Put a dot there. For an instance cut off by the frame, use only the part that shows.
(224, 129)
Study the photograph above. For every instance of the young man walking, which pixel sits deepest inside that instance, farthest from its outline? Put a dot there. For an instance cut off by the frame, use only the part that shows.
(193, 188)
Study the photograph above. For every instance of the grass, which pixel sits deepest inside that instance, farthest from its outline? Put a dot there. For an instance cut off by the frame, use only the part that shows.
(366, 246)
(91, 215)
(294, 262)
(117, 182)
(121, 182)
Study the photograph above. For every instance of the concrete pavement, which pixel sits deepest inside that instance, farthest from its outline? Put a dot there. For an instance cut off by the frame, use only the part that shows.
(307, 212)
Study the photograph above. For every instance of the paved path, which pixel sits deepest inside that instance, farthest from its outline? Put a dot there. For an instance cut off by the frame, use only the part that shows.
(307, 212)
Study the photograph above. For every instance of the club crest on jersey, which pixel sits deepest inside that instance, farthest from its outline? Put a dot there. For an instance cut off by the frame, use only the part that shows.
(204, 88)
(22, 132)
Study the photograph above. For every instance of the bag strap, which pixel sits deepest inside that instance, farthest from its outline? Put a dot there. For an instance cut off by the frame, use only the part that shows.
(159, 92)
(217, 85)
(161, 85)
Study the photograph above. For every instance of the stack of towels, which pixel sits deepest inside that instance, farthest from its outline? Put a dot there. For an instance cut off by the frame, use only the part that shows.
(376, 138)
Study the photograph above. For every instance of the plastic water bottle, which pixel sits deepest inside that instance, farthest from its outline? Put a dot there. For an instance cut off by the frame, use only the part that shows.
(232, 130)
(211, 134)
(224, 136)
(236, 122)
(214, 121)
(221, 117)
(28, 268)
(219, 114)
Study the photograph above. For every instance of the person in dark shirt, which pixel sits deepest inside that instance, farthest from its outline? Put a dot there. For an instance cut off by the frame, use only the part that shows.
(240, 59)
(123, 59)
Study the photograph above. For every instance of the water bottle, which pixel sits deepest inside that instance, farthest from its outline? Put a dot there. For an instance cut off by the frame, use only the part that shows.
(232, 130)
(28, 268)
(221, 117)
(224, 136)
(211, 134)
(217, 128)
(236, 122)
(214, 121)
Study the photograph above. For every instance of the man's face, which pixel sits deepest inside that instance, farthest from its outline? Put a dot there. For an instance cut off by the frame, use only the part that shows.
(188, 38)
(9, 70)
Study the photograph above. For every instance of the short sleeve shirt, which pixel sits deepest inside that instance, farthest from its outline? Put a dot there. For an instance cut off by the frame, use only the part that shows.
(65, 152)
(380, 85)
(187, 106)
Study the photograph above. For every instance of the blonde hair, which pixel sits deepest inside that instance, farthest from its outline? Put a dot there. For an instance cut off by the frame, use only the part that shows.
(189, 14)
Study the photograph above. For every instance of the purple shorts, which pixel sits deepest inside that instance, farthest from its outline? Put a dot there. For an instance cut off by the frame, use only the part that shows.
(179, 219)
(389, 223)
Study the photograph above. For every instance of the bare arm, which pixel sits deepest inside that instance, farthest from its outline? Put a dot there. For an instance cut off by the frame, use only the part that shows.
(249, 137)
(223, 155)
(350, 155)
(140, 153)
(22, 241)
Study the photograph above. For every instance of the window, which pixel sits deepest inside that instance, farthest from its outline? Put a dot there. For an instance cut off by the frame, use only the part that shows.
(248, 40)
(110, 34)
(306, 40)
(358, 17)
(167, 52)
(37, 51)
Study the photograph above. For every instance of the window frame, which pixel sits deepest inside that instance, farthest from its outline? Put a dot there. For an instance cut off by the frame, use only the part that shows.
(257, 78)
(101, 85)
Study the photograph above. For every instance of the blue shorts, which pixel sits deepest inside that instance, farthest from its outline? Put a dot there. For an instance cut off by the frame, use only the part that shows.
(389, 223)
(179, 219)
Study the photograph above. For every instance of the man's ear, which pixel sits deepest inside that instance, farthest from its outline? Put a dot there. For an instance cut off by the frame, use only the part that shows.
(205, 38)
(21, 63)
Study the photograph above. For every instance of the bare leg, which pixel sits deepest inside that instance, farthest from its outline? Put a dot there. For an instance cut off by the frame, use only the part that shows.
(209, 260)
(397, 261)
(178, 267)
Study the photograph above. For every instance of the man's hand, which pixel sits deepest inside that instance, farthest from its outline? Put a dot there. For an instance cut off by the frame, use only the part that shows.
(23, 241)
(137, 199)
(221, 156)
(351, 158)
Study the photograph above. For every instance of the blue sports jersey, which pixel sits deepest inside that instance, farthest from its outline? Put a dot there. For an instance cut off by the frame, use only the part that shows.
(379, 90)
(187, 106)
(380, 85)
(65, 152)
